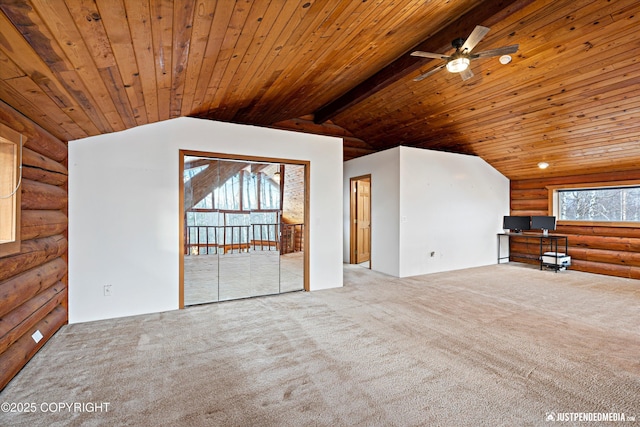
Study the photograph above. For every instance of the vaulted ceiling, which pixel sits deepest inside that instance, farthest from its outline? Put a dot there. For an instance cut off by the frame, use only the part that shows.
(570, 96)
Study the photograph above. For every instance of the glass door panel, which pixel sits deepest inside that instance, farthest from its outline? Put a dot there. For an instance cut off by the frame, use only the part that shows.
(201, 221)
(292, 228)
(235, 264)
(265, 230)
(235, 261)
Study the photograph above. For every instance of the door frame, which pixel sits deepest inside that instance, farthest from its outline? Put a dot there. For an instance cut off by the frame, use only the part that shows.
(352, 217)
(226, 156)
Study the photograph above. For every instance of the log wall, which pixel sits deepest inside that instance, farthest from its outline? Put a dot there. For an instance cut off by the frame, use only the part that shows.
(609, 250)
(33, 282)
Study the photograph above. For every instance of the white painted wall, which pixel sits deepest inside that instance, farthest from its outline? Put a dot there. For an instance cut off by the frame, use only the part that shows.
(385, 203)
(124, 213)
(425, 201)
(452, 205)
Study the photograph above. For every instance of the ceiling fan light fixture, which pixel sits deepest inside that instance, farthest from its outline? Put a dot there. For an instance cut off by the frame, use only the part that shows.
(458, 65)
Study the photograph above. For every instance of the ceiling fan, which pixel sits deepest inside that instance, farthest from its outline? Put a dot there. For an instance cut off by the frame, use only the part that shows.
(458, 62)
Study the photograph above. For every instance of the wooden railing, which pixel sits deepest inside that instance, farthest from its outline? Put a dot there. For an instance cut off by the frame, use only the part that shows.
(215, 239)
(208, 239)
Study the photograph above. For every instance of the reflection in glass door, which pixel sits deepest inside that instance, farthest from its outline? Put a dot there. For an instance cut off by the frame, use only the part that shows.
(244, 228)
(251, 266)
(293, 185)
(201, 227)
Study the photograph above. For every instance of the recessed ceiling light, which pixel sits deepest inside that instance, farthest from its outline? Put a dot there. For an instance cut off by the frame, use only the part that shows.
(505, 59)
(543, 165)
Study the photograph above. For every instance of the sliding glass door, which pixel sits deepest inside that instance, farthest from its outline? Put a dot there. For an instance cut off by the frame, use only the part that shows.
(239, 242)
(250, 261)
(201, 228)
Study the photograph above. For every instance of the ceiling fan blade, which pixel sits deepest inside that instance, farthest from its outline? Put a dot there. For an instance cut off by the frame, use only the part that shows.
(466, 74)
(428, 73)
(429, 55)
(474, 38)
(496, 52)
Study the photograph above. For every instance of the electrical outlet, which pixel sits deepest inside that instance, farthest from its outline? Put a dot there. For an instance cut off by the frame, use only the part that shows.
(37, 336)
(107, 290)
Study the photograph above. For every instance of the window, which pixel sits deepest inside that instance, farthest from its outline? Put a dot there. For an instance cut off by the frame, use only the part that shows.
(10, 178)
(613, 204)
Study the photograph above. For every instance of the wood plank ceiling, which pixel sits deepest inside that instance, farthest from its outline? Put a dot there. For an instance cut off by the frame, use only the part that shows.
(570, 97)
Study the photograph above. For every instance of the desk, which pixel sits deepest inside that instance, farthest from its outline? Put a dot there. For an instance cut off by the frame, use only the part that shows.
(552, 240)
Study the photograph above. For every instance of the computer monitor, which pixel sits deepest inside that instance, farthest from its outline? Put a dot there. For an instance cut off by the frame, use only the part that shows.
(543, 222)
(516, 223)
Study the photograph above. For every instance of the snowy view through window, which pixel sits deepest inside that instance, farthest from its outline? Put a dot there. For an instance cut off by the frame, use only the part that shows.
(621, 204)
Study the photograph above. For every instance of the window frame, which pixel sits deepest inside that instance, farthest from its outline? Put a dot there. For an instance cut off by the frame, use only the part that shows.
(554, 202)
(10, 136)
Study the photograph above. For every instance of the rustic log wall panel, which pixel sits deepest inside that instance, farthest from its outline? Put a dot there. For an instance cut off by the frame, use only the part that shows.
(33, 282)
(39, 195)
(601, 249)
(33, 253)
(37, 167)
(38, 139)
(18, 289)
(23, 349)
(30, 313)
(42, 223)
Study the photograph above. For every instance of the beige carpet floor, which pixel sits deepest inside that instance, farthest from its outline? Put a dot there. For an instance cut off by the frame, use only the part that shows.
(502, 345)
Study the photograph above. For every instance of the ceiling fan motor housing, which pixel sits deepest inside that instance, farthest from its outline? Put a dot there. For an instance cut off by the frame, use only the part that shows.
(457, 43)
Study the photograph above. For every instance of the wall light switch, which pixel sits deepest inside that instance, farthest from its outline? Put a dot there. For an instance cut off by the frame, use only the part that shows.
(107, 290)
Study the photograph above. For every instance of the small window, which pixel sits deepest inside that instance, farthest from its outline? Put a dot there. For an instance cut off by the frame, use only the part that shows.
(10, 179)
(612, 204)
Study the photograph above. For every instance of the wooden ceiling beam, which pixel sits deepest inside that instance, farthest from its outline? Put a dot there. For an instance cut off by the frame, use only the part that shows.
(487, 13)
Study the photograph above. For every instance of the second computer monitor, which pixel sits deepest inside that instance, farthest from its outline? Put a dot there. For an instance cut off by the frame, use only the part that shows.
(543, 222)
